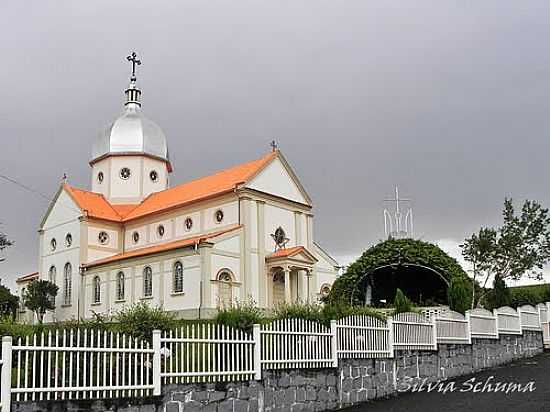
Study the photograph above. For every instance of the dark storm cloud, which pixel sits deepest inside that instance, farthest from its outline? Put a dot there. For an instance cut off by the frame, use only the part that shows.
(447, 99)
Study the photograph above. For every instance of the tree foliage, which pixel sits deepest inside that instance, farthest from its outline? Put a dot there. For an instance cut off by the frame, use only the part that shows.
(401, 303)
(140, 319)
(394, 252)
(4, 241)
(8, 302)
(40, 297)
(458, 295)
(519, 248)
(500, 295)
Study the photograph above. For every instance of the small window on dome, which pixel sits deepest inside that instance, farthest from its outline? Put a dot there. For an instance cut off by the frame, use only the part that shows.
(53, 244)
(154, 176)
(135, 237)
(218, 216)
(103, 238)
(188, 224)
(125, 173)
(160, 230)
(100, 177)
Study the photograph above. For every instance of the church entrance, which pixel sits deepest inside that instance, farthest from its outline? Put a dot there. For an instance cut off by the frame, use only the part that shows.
(278, 288)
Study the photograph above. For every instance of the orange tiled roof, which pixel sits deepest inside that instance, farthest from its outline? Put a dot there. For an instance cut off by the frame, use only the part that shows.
(28, 277)
(291, 251)
(165, 247)
(219, 183)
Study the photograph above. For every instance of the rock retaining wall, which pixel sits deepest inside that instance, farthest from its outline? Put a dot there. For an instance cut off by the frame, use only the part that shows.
(315, 390)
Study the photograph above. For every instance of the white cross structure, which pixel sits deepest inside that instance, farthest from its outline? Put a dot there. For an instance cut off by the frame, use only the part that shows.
(398, 225)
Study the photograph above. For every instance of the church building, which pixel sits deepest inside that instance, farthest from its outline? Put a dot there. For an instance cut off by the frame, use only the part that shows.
(240, 234)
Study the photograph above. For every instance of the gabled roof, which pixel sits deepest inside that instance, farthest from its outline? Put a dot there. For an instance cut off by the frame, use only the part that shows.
(165, 247)
(27, 278)
(95, 205)
(290, 253)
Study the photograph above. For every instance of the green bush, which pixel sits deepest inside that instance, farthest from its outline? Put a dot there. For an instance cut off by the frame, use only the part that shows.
(459, 295)
(339, 310)
(140, 319)
(243, 315)
(401, 303)
(308, 311)
(529, 295)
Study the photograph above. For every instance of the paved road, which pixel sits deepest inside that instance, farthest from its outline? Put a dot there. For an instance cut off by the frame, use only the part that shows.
(534, 369)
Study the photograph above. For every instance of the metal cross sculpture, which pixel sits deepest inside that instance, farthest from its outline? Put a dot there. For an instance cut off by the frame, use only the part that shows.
(280, 239)
(273, 145)
(135, 62)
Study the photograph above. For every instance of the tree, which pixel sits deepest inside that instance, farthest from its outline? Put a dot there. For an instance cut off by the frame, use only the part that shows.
(4, 241)
(458, 295)
(8, 302)
(519, 248)
(401, 302)
(40, 297)
(500, 295)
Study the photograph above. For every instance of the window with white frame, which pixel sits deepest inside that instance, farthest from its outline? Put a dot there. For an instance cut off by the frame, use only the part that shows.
(120, 286)
(178, 278)
(225, 288)
(97, 290)
(147, 282)
(52, 273)
(67, 283)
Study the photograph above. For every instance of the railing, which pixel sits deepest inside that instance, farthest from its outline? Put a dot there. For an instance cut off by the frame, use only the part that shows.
(81, 365)
(297, 343)
(413, 332)
(206, 353)
(453, 328)
(544, 322)
(529, 316)
(483, 324)
(508, 321)
(364, 337)
(5, 374)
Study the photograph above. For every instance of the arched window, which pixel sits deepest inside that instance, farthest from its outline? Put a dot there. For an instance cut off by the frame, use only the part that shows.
(225, 288)
(120, 286)
(52, 273)
(97, 290)
(178, 277)
(325, 290)
(67, 284)
(147, 282)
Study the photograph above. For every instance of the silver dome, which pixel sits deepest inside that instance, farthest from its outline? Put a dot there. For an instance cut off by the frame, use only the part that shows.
(132, 133)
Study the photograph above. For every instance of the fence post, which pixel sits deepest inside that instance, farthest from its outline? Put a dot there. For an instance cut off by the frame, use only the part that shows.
(333, 338)
(5, 378)
(434, 331)
(257, 336)
(469, 327)
(389, 323)
(156, 363)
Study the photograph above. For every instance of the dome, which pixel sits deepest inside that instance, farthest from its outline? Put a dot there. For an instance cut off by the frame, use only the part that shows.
(132, 133)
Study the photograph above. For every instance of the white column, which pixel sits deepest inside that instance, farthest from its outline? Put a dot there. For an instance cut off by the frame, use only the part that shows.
(5, 376)
(288, 295)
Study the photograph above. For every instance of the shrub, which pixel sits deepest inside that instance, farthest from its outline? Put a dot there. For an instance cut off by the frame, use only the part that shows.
(243, 315)
(339, 310)
(308, 311)
(500, 295)
(401, 302)
(140, 319)
(459, 295)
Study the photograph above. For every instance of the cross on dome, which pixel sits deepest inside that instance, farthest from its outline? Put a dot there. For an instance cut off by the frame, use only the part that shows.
(135, 62)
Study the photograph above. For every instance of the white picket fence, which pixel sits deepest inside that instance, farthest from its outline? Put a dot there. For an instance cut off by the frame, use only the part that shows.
(364, 337)
(483, 324)
(206, 353)
(413, 332)
(453, 328)
(100, 365)
(297, 343)
(508, 321)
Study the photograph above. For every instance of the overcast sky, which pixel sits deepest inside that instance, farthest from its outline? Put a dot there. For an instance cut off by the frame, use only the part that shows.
(450, 100)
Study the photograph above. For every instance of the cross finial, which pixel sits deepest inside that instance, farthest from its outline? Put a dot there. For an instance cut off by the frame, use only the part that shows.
(135, 62)
(273, 145)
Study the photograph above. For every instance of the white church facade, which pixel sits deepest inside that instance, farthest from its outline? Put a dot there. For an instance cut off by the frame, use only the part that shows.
(244, 233)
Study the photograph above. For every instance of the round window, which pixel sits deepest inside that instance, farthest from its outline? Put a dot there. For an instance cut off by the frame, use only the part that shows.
(100, 177)
(160, 230)
(68, 240)
(53, 244)
(188, 223)
(125, 173)
(154, 176)
(135, 237)
(218, 216)
(103, 238)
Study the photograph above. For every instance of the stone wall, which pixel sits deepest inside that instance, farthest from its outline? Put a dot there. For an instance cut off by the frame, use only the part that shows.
(315, 390)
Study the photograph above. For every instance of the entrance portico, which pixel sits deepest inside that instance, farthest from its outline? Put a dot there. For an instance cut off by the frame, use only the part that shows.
(289, 274)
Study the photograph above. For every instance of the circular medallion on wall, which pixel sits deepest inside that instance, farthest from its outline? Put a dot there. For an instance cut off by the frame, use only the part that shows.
(100, 177)
(68, 240)
(218, 216)
(160, 230)
(188, 224)
(135, 237)
(53, 244)
(154, 176)
(125, 173)
(103, 238)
